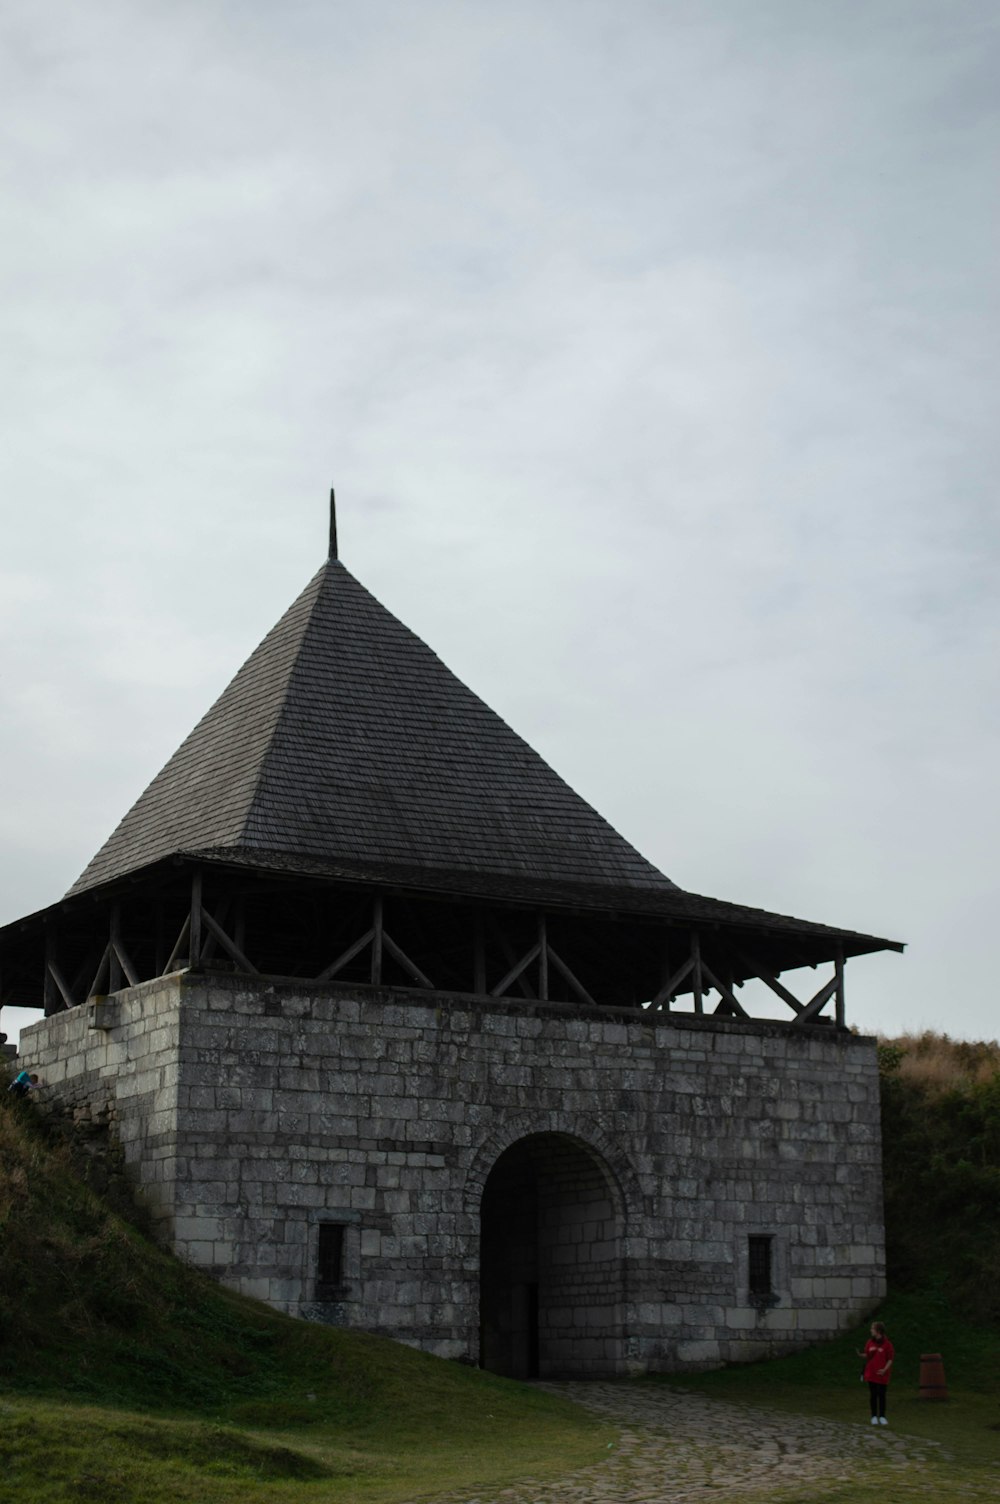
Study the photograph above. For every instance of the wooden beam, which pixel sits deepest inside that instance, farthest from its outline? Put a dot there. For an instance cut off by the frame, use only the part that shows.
(94, 989)
(114, 964)
(769, 980)
(515, 971)
(840, 1011)
(49, 988)
(194, 934)
(699, 986)
(564, 971)
(59, 980)
(348, 955)
(118, 953)
(210, 940)
(229, 946)
(665, 974)
(131, 975)
(726, 992)
(507, 951)
(478, 956)
(543, 960)
(179, 945)
(672, 983)
(400, 955)
(159, 941)
(819, 1002)
(378, 935)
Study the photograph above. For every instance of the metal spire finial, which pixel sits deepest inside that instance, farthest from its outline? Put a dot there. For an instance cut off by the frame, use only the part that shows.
(333, 524)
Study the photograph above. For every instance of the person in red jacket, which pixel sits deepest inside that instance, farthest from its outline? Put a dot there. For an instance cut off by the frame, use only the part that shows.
(878, 1354)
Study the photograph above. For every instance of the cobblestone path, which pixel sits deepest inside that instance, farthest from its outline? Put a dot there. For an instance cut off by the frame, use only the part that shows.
(676, 1446)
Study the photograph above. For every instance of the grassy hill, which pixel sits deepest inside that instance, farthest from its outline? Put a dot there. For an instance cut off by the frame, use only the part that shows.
(127, 1377)
(941, 1161)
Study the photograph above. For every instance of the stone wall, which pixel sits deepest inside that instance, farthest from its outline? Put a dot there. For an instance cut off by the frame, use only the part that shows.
(118, 1061)
(253, 1112)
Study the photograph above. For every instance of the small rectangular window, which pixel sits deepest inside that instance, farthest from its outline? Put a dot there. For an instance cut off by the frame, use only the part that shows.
(760, 1266)
(329, 1259)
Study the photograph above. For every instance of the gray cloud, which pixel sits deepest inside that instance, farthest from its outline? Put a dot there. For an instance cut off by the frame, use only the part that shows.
(652, 350)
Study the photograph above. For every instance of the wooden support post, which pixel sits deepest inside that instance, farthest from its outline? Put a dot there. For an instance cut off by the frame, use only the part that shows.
(664, 979)
(840, 1009)
(56, 996)
(49, 994)
(48, 985)
(543, 960)
(479, 956)
(411, 966)
(159, 941)
(699, 986)
(60, 982)
(194, 933)
(179, 945)
(671, 985)
(378, 931)
(94, 989)
(515, 971)
(728, 1001)
(573, 981)
(114, 964)
(208, 938)
(815, 1006)
(240, 924)
(233, 951)
(119, 955)
(348, 955)
(131, 975)
(778, 988)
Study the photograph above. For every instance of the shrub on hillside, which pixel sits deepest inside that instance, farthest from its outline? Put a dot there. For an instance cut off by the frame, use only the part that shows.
(941, 1159)
(941, 1065)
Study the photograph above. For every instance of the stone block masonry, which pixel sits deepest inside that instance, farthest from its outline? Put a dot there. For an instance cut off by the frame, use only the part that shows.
(543, 1188)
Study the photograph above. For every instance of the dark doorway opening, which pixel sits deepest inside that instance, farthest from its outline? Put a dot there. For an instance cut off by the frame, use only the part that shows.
(551, 1297)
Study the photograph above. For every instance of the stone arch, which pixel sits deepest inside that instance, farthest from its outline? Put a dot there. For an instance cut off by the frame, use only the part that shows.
(589, 1134)
(553, 1216)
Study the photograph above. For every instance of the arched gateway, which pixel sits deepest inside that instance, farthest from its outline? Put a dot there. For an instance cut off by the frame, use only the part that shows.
(356, 927)
(552, 1284)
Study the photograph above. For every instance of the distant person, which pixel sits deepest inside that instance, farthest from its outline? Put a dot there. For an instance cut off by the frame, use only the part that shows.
(878, 1353)
(22, 1084)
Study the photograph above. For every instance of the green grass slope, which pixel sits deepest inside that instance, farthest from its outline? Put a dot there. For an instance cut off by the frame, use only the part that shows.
(125, 1376)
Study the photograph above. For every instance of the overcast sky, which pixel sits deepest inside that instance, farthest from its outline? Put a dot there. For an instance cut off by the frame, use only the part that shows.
(652, 348)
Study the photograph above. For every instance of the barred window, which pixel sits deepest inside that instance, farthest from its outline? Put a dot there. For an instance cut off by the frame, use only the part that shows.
(329, 1259)
(760, 1276)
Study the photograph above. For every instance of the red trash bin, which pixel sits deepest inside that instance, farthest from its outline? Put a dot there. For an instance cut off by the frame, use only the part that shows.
(932, 1384)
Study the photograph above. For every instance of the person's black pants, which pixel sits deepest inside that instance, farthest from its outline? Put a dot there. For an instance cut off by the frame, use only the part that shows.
(877, 1393)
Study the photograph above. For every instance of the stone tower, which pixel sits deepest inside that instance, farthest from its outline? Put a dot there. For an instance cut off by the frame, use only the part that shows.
(398, 1033)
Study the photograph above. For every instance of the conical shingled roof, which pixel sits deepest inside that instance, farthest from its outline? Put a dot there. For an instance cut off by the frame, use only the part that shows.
(343, 738)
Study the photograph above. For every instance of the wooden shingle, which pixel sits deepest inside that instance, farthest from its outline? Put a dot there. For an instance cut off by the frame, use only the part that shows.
(345, 739)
